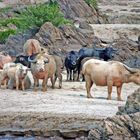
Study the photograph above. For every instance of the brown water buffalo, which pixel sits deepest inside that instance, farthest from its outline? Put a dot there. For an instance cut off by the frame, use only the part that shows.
(43, 67)
(112, 73)
(59, 69)
(32, 46)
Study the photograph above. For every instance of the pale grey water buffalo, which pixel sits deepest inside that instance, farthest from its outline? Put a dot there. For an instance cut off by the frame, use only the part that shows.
(15, 72)
(112, 73)
(43, 66)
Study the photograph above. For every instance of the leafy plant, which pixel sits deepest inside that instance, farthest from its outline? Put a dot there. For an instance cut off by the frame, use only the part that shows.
(5, 34)
(92, 3)
(34, 16)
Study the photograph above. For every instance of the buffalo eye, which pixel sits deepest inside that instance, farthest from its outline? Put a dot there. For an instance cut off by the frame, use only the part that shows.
(46, 61)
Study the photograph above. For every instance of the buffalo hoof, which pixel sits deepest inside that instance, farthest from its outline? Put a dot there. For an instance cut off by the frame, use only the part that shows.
(119, 99)
(108, 98)
(44, 90)
(35, 90)
(89, 96)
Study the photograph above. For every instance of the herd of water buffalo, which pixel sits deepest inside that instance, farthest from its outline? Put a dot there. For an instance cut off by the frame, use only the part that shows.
(44, 66)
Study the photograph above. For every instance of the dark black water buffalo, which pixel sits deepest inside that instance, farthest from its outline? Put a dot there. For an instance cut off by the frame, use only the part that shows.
(101, 53)
(72, 65)
(24, 60)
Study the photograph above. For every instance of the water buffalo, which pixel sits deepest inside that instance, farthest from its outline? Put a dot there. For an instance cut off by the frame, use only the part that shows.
(4, 58)
(43, 66)
(59, 69)
(24, 60)
(31, 46)
(72, 65)
(101, 53)
(112, 73)
(16, 72)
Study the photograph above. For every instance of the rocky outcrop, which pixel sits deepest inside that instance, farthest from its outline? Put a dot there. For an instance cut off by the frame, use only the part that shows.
(79, 9)
(128, 52)
(120, 11)
(65, 38)
(16, 42)
(126, 125)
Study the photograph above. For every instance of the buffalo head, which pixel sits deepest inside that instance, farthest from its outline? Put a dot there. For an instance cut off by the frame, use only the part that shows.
(39, 62)
(73, 58)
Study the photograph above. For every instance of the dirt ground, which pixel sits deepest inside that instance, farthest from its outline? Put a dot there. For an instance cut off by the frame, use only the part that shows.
(71, 99)
(66, 110)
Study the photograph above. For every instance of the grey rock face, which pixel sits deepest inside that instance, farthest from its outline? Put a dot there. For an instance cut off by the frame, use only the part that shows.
(124, 126)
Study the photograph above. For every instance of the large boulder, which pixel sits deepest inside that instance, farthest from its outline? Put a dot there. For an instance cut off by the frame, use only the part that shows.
(80, 9)
(124, 126)
(65, 38)
(128, 52)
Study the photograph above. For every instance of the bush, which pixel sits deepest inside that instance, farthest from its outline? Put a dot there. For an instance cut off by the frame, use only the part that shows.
(35, 16)
(92, 3)
(5, 34)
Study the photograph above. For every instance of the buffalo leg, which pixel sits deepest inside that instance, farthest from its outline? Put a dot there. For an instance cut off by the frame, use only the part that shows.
(52, 81)
(89, 84)
(35, 84)
(109, 90)
(5, 83)
(44, 85)
(78, 74)
(22, 84)
(17, 83)
(75, 76)
(119, 93)
(68, 73)
(60, 80)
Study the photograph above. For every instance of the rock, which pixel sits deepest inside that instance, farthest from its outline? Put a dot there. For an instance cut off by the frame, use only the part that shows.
(65, 38)
(124, 126)
(132, 104)
(128, 52)
(16, 42)
(95, 134)
(120, 12)
(69, 8)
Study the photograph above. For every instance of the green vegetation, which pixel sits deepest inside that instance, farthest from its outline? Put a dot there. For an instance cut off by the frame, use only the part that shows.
(92, 3)
(5, 34)
(33, 16)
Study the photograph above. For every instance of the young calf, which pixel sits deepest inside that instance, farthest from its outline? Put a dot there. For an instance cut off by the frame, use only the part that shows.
(16, 72)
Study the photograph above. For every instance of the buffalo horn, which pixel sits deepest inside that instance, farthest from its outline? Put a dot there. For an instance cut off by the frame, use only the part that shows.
(46, 61)
(132, 70)
(30, 60)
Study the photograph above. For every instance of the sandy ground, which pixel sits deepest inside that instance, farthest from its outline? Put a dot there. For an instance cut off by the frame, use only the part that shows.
(71, 99)
(65, 109)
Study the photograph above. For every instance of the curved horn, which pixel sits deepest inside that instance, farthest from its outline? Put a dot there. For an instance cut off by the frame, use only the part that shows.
(131, 70)
(32, 61)
(46, 60)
